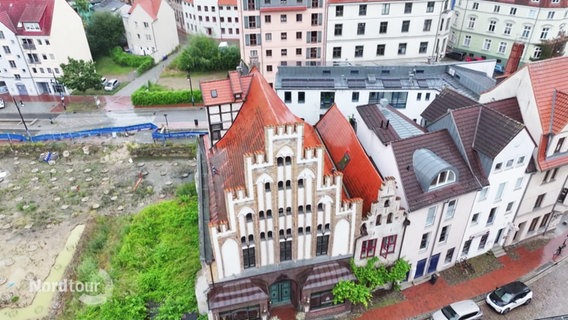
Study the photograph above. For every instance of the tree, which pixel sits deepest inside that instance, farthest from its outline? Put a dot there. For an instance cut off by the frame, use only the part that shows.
(354, 292)
(80, 75)
(553, 47)
(104, 32)
(203, 54)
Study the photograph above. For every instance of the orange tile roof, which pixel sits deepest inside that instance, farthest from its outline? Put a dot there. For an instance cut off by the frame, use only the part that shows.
(262, 108)
(227, 2)
(152, 7)
(226, 89)
(359, 176)
(546, 76)
(549, 80)
(14, 13)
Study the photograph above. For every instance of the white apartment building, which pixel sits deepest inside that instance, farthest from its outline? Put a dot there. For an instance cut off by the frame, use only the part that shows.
(386, 30)
(540, 90)
(498, 151)
(310, 91)
(489, 28)
(281, 32)
(37, 36)
(217, 19)
(150, 28)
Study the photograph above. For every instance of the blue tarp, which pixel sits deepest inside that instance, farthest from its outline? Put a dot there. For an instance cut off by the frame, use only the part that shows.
(156, 134)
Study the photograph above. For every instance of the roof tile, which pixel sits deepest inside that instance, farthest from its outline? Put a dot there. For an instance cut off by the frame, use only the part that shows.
(360, 177)
(37, 11)
(448, 99)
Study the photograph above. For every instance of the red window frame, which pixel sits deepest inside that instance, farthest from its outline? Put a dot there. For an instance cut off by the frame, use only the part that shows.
(388, 245)
(368, 248)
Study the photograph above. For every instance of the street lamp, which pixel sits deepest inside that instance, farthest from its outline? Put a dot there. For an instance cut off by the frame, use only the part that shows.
(190, 88)
(20, 113)
(166, 117)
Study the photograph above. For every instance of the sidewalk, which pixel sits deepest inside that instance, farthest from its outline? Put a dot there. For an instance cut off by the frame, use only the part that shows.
(520, 263)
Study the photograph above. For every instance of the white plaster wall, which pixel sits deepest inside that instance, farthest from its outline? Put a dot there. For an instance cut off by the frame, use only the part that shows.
(231, 258)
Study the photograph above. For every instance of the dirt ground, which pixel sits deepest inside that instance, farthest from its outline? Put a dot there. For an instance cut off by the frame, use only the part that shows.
(41, 202)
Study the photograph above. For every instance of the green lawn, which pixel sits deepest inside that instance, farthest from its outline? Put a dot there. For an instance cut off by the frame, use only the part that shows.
(106, 67)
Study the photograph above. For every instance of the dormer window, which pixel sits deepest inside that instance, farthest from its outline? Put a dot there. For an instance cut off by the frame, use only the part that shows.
(32, 26)
(443, 178)
(559, 145)
(213, 93)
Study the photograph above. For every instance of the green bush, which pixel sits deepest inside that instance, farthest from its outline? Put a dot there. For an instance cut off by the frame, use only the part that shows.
(122, 58)
(149, 97)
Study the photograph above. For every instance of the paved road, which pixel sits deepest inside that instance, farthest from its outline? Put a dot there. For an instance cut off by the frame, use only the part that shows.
(550, 292)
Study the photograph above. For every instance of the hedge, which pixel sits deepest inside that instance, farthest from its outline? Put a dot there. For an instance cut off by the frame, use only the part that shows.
(141, 63)
(142, 97)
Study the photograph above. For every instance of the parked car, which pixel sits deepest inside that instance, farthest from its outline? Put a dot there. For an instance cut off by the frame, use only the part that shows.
(2, 104)
(461, 310)
(111, 84)
(455, 55)
(509, 296)
(103, 80)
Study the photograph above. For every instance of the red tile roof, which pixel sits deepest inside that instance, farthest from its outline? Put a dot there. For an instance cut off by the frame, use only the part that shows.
(508, 107)
(546, 77)
(36, 11)
(152, 7)
(227, 2)
(226, 89)
(549, 79)
(262, 108)
(359, 176)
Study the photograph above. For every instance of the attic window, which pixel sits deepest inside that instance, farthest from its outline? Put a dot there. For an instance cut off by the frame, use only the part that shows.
(237, 95)
(354, 71)
(385, 71)
(443, 178)
(32, 26)
(213, 93)
(419, 71)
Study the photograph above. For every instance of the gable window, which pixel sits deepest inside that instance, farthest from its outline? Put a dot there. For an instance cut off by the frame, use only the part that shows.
(443, 178)
(498, 166)
(355, 97)
(475, 218)
(388, 245)
(368, 248)
(287, 98)
(322, 243)
(301, 97)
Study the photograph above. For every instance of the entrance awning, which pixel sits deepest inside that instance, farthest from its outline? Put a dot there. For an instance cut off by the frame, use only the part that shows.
(327, 275)
(239, 292)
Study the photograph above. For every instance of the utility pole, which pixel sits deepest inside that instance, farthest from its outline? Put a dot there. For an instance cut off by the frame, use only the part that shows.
(22, 117)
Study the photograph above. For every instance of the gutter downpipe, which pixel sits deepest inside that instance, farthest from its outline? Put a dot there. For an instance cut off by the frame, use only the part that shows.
(437, 231)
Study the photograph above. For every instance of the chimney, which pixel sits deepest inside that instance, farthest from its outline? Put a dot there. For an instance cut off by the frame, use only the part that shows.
(514, 58)
(387, 126)
(381, 123)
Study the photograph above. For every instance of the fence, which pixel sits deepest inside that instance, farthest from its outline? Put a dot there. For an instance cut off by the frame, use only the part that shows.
(156, 135)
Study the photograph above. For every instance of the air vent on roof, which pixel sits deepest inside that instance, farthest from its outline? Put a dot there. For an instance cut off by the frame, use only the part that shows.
(371, 78)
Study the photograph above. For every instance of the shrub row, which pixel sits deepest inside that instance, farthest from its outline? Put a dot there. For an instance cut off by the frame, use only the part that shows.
(160, 150)
(142, 97)
(141, 63)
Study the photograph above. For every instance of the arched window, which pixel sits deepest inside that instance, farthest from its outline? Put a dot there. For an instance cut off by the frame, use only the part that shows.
(309, 208)
(249, 217)
(268, 214)
(280, 161)
(300, 183)
(300, 230)
(364, 229)
(320, 206)
(327, 227)
(251, 238)
(261, 214)
(267, 187)
(280, 185)
(288, 160)
(243, 240)
(445, 177)
(288, 184)
(308, 229)
(389, 218)
(300, 209)
(262, 236)
(280, 212)
(319, 227)
(387, 203)
(281, 233)
(378, 221)
(269, 234)
(288, 211)
(288, 232)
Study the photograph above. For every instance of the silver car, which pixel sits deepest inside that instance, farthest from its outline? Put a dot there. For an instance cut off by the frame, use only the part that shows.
(462, 310)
